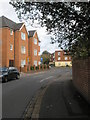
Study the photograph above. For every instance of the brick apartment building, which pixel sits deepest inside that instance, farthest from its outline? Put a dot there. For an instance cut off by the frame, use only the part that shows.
(14, 40)
(33, 48)
(62, 58)
(52, 59)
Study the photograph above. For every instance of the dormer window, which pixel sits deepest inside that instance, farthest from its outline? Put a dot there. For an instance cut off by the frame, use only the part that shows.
(59, 58)
(58, 53)
(35, 41)
(35, 52)
(11, 47)
(23, 49)
(65, 58)
(11, 32)
(23, 36)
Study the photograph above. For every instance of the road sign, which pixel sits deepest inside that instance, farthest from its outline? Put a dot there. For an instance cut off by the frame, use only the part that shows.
(28, 59)
(41, 59)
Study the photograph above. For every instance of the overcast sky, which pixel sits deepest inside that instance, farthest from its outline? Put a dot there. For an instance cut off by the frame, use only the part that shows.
(7, 10)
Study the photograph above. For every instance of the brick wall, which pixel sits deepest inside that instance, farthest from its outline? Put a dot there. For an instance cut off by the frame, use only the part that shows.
(81, 76)
(31, 48)
(7, 39)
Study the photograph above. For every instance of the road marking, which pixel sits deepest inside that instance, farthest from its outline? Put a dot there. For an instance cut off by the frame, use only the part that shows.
(38, 73)
(31, 74)
(37, 76)
(46, 78)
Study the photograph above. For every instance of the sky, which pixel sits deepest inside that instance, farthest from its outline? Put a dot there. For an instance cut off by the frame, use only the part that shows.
(8, 11)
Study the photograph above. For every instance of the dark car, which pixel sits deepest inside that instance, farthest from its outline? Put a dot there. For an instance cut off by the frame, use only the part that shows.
(9, 73)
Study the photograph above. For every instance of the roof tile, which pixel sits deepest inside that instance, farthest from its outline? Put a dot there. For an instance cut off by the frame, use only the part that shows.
(5, 22)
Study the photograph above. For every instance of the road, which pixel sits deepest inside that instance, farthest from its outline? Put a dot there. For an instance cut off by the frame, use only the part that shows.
(17, 94)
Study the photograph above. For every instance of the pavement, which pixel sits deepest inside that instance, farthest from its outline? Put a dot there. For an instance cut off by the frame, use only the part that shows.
(59, 99)
(62, 100)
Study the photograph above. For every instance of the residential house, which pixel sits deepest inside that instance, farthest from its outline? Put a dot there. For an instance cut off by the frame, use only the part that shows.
(52, 59)
(62, 58)
(14, 43)
(33, 48)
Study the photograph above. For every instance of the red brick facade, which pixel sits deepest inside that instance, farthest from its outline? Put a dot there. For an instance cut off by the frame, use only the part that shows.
(81, 76)
(19, 56)
(62, 56)
(7, 40)
(31, 49)
(15, 40)
(15, 46)
(52, 57)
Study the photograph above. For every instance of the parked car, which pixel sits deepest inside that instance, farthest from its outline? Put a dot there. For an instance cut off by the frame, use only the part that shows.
(9, 73)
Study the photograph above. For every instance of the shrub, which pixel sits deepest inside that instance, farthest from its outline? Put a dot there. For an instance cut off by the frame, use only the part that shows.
(37, 67)
(41, 66)
(32, 67)
(48, 66)
(27, 68)
(44, 66)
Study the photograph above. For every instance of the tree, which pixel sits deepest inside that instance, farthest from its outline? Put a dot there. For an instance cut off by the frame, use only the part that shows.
(46, 61)
(46, 57)
(68, 22)
(45, 52)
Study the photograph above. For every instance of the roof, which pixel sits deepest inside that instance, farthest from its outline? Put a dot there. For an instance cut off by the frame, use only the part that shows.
(18, 26)
(31, 33)
(5, 22)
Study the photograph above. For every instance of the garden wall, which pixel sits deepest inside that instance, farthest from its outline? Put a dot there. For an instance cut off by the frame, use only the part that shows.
(81, 76)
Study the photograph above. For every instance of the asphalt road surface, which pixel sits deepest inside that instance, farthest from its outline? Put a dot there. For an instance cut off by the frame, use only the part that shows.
(16, 94)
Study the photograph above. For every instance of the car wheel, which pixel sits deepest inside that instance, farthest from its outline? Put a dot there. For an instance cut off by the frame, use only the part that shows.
(6, 79)
(18, 76)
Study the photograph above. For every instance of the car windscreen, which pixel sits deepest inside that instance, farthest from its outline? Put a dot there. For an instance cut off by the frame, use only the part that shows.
(13, 69)
(3, 69)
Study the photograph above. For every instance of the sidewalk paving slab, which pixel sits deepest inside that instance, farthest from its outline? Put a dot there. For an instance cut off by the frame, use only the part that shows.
(62, 100)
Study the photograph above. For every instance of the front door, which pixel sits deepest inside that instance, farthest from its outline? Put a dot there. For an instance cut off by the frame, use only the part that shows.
(11, 63)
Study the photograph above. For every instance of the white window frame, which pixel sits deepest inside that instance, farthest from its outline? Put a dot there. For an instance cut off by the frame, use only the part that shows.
(11, 47)
(35, 41)
(66, 63)
(65, 52)
(35, 63)
(35, 52)
(59, 58)
(11, 32)
(39, 62)
(65, 58)
(23, 49)
(23, 37)
(59, 63)
(39, 53)
(58, 53)
(23, 62)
